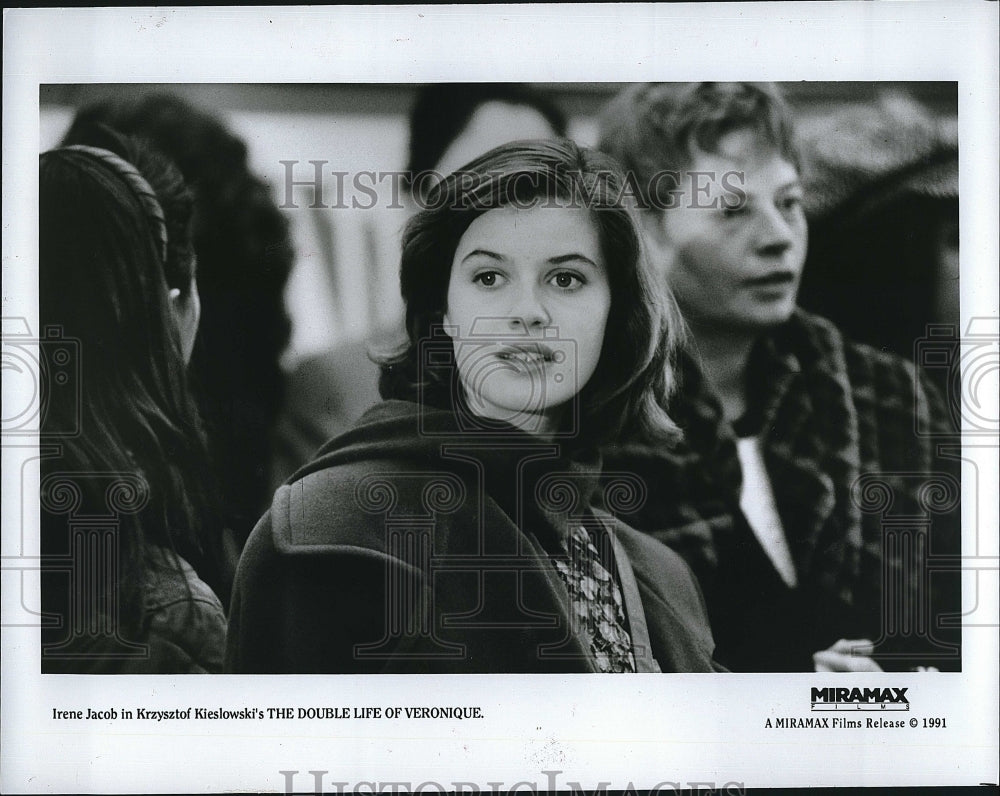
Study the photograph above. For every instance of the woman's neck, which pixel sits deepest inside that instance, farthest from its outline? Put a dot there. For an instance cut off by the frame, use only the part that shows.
(723, 356)
(542, 426)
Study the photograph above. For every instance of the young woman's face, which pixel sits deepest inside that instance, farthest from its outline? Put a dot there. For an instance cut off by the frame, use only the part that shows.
(528, 300)
(736, 269)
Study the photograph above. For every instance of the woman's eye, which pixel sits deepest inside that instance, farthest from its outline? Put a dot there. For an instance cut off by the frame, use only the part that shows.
(487, 278)
(567, 281)
(733, 211)
(790, 203)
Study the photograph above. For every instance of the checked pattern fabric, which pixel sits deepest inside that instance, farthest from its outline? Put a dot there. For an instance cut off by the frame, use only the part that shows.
(596, 602)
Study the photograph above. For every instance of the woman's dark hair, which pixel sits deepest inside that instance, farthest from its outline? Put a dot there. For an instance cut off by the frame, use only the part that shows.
(633, 376)
(245, 256)
(443, 110)
(104, 277)
(651, 128)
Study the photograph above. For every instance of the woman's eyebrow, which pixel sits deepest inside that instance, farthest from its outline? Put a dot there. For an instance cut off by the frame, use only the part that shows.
(484, 253)
(573, 257)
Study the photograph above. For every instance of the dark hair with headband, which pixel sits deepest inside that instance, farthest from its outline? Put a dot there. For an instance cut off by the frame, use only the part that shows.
(110, 248)
(162, 190)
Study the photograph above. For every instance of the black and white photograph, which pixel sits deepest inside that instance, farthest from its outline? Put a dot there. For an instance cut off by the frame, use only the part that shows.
(406, 383)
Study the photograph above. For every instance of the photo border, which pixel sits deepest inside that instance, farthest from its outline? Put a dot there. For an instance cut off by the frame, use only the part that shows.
(644, 730)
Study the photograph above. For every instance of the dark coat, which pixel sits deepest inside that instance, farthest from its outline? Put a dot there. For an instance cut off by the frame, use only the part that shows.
(863, 463)
(410, 546)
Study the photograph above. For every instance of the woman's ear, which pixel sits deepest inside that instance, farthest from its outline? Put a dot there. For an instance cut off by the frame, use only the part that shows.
(186, 310)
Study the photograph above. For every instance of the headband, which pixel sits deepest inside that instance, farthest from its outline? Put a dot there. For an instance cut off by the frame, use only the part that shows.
(142, 189)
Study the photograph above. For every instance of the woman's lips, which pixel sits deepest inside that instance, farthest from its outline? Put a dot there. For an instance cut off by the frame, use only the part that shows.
(527, 353)
(775, 279)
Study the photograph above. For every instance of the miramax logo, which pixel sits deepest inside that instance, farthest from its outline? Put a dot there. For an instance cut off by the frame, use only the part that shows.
(860, 699)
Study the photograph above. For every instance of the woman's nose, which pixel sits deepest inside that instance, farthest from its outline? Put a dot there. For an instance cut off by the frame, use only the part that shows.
(529, 309)
(775, 233)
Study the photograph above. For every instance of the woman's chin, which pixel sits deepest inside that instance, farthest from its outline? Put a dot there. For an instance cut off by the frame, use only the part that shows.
(523, 411)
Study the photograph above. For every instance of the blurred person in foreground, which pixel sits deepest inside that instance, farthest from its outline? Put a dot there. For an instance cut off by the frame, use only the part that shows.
(131, 551)
(802, 450)
(245, 255)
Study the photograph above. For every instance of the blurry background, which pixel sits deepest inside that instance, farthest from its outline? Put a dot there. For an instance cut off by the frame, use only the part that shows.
(343, 284)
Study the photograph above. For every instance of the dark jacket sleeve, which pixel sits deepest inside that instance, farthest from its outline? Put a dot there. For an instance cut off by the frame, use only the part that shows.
(183, 632)
(187, 636)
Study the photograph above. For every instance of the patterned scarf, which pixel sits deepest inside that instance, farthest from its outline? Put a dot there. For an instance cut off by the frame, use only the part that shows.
(598, 611)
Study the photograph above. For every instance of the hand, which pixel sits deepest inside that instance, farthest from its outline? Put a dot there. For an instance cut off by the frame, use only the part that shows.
(847, 655)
